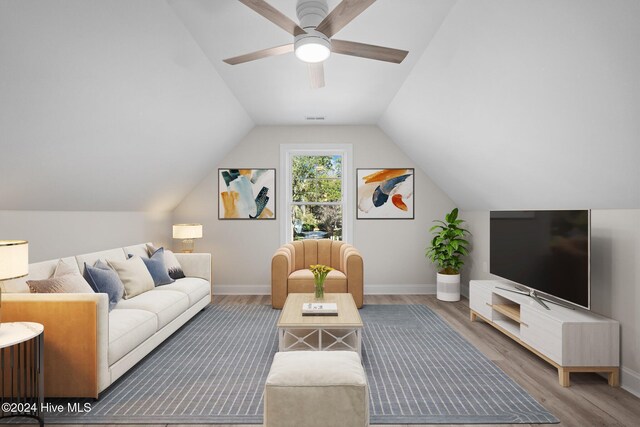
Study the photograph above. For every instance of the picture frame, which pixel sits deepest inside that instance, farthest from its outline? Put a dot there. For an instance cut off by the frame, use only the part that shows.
(385, 193)
(247, 194)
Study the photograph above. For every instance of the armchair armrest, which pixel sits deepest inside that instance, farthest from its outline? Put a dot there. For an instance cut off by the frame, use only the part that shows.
(281, 267)
(76, 339)
(354, 270)
(195, 265)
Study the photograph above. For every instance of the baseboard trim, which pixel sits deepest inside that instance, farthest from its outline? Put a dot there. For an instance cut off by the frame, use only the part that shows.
(241, 289)
(630, 381)
(404, 289)
(418, 289)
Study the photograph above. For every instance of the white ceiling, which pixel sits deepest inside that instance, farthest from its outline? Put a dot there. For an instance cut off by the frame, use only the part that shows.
(107, 105)
(528, 104)
(506, 104)
(276, 90)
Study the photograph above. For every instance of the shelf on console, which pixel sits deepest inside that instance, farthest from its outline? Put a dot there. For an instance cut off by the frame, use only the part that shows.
(512, 311)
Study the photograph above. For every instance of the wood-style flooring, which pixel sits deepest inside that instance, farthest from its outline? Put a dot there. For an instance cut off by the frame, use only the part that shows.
(588, 402)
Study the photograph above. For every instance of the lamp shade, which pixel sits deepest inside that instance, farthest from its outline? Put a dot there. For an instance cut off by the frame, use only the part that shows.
(14, 259)
(187, 231)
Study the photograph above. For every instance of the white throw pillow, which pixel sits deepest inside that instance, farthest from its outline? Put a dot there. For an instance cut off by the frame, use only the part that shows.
(134, 276)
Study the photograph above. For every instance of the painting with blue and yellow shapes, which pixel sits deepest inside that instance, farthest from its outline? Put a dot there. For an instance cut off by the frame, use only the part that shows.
(246, 194)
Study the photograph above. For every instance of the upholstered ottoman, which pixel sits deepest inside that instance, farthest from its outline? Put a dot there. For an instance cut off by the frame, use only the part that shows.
(316, 388)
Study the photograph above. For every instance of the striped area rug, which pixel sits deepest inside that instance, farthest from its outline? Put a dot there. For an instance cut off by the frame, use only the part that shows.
(213, 371)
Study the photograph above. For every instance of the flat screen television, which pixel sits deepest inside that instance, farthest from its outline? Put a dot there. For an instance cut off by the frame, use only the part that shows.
(546, 251)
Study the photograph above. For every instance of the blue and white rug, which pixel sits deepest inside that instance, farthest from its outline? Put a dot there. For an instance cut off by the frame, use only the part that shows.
(213, 370)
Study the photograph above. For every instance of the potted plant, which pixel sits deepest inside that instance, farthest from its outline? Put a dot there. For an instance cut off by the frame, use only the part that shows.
(447, 248)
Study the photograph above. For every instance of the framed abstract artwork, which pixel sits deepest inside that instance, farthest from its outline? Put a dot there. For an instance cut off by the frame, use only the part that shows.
(385, 193)
(247, 194)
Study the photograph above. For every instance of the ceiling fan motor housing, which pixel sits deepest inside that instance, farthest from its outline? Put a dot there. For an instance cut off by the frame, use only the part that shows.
(311, 13)
(312, 46)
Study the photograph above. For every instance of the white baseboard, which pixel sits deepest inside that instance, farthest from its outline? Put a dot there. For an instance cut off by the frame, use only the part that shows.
(630, 380)
(241, 289)
(420, 289)
(405, 289)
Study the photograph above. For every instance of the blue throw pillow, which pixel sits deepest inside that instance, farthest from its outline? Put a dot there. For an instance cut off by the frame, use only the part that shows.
(104, 280)
(157, 269)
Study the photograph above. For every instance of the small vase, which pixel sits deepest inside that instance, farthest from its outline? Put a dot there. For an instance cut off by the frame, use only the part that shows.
(319, 285)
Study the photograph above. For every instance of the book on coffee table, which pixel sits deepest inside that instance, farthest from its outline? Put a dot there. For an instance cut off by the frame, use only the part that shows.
(320, 309)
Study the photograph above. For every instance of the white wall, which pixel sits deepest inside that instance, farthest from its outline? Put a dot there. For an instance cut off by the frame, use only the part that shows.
(393, 251)
(615, 275)
(56, 234)
(527, 103)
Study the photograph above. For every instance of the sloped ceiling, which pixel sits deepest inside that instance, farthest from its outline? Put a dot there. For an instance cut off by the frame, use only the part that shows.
(276, 90)
(107, 105)
(528, 104)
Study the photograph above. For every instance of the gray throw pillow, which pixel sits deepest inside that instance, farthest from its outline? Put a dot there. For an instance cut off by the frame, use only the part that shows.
(157, 269)
(170, 261)
(106, 281)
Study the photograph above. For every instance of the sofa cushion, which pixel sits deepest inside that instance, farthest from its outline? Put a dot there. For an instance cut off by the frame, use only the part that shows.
(302, 281)
(194, 287)
(92, 258)
(157, 269)
(165, 304)
(127, 330)
(134, 275)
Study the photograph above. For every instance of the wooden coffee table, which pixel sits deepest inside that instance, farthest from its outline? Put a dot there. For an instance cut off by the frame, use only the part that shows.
(341, 332)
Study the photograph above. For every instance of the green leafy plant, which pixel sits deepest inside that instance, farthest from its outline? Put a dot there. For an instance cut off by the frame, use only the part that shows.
(448, 245)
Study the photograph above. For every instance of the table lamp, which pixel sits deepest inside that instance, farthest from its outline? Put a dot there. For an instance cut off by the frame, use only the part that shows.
(14, 262)
(187, 233)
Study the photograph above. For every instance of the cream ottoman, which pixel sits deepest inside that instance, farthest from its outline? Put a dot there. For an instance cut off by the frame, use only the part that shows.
(316, 388)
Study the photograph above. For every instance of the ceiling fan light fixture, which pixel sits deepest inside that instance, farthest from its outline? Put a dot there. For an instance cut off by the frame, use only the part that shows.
(312, 47)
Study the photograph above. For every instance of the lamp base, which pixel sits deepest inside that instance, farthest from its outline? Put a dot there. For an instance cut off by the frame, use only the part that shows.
(187, 246)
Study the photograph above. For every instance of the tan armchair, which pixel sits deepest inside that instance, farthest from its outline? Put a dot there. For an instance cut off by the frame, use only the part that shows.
(290, 269)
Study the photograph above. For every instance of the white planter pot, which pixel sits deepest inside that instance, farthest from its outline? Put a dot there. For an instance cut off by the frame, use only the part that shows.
(448, 288)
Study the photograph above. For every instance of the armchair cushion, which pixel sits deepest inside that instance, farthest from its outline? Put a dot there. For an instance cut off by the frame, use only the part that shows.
(301, 281)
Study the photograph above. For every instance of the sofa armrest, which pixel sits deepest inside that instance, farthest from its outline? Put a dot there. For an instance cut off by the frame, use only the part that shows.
(76, 339)
(195, 265)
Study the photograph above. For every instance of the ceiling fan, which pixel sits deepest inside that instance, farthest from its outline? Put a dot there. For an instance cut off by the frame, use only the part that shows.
(313, 42)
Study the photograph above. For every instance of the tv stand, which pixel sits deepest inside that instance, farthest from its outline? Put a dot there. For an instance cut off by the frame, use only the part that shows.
(531, 294)
(570, 340)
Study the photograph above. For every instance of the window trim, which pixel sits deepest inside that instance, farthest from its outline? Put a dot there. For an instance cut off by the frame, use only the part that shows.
(348, 212)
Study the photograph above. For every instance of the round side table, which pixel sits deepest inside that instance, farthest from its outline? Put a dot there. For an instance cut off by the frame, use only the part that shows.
(22, 363)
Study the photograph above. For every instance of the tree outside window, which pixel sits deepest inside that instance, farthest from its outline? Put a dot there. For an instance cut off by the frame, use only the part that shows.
(317, 196)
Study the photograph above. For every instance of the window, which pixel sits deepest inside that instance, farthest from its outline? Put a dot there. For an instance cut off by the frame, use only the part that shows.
(316, 183)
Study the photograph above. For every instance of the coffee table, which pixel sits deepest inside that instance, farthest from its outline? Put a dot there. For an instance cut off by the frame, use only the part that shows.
(341, 332)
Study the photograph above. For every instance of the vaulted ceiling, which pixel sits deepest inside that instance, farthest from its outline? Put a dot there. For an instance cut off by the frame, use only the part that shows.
(127, 105)
(276, 90)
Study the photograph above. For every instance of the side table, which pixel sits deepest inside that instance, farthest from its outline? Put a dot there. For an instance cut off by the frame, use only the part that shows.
(22, 363)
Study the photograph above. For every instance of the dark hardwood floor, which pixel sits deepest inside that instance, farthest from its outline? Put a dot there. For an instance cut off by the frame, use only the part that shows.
(588, 402)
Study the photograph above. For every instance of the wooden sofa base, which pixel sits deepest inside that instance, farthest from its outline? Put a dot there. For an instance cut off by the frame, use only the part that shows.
(70, 343)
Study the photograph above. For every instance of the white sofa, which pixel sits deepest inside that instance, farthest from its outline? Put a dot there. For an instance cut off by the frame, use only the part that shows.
(87, 347)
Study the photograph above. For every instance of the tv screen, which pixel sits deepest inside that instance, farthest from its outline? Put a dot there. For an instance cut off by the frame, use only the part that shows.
(544, 250)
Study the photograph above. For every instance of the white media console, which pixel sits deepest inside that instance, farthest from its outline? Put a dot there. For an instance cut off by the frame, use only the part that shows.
(571, 340)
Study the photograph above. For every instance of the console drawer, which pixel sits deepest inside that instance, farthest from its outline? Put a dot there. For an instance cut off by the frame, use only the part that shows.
(478, 299)
(542, 333)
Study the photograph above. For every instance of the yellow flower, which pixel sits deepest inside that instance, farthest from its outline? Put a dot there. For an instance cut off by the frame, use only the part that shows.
(320, 270)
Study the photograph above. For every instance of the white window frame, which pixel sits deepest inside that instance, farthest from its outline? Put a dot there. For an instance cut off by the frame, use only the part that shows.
(287, 151)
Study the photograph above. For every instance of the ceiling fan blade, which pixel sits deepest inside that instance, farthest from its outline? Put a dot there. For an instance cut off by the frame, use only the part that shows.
(343, 13)
(316, 75)
(368, 51)
(264, 53)
(274, 15)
